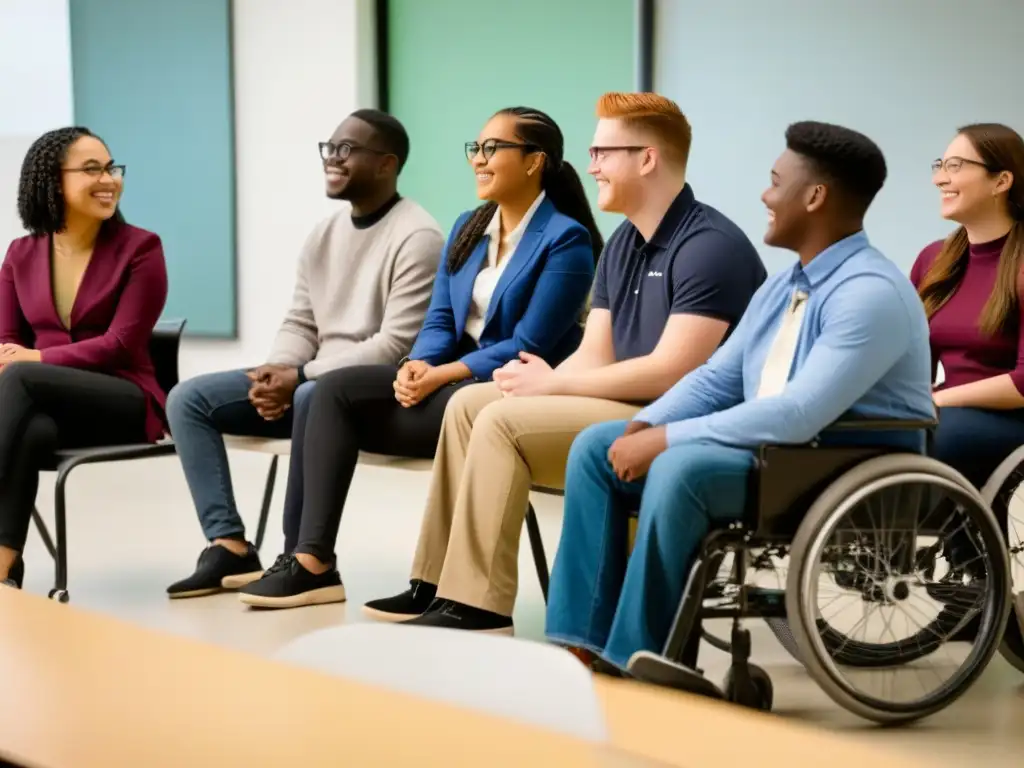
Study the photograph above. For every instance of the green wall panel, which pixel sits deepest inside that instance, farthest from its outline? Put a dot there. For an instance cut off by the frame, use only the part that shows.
(453, 63)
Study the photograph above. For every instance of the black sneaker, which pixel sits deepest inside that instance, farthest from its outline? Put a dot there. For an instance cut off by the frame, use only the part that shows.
(16, 574)
(218, 569)
(449, 614)
(286, 584)
(601, 667)
(414, 602)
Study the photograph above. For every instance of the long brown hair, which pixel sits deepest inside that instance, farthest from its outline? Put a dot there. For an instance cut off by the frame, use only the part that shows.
(1001, 149)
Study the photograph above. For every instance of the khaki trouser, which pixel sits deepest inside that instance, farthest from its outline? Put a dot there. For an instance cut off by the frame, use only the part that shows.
(490, 452)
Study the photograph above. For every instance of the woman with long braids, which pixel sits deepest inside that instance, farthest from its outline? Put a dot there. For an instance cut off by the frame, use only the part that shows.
(971, 285)
(79, 296)
(514, 280)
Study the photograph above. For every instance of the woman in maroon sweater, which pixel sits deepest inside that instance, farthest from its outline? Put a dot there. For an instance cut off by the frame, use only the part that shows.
(972, 287)
(79, 297)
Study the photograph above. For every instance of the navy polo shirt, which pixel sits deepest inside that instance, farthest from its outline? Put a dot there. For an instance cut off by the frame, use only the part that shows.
(698, 262)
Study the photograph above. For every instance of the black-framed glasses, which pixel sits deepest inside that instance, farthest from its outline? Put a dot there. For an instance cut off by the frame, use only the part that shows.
(489, 146)
(600, 153)
(97, 171)
(954, 164)
(341, 151)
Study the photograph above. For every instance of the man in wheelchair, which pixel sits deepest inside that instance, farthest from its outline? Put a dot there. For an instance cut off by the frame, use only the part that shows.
(841, 333)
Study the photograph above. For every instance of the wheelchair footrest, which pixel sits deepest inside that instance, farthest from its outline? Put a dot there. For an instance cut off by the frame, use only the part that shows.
(652, 668)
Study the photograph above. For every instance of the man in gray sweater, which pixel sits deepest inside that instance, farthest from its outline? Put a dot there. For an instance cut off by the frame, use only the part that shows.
(362, 290)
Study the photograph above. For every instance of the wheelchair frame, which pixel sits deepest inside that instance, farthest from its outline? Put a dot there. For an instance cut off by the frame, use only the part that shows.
(778, 502)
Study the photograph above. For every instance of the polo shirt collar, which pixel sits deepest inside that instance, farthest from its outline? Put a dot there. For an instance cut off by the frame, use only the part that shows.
(674, 216)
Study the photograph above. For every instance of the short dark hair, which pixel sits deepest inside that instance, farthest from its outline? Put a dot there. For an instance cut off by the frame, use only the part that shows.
(848, 158)
(392, 134)
(40, 195)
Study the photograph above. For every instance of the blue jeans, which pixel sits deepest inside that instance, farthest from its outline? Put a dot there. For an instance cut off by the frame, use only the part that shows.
(975, 441)
(605, 599)
(202, 409)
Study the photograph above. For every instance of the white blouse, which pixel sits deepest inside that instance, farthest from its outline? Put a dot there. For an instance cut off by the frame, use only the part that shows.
(488, 277)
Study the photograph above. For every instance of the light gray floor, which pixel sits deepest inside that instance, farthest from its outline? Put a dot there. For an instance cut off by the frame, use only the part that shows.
(132, 531)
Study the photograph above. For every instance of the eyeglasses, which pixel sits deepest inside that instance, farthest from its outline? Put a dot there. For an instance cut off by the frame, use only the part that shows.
(954, 164)
(599, 153)
(97, 171)
(329, 149)
(490, 146)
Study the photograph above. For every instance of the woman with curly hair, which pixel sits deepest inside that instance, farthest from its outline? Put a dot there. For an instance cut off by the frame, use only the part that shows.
(79, 296)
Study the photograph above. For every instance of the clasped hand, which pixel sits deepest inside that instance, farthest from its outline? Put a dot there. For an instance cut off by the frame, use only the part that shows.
(15, 353)
(272, 389)
(529, 376)
(416, 380)
(632, 454)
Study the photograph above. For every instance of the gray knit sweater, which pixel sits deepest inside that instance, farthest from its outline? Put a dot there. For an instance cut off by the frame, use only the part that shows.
(361, 294)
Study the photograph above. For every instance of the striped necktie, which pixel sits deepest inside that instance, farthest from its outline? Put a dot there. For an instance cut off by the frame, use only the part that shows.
(779, 361)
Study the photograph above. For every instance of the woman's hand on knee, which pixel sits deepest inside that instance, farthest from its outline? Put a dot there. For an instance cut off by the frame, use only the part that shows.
(15, 353)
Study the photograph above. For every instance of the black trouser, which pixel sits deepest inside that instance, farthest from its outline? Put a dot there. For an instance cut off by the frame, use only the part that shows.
(45, 407)
(354, 409)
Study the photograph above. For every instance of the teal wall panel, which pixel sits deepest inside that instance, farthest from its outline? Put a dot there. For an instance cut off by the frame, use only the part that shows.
(453, 63)
(154, 79)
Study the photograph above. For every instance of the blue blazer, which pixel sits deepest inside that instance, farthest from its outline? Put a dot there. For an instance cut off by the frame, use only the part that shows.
(536, 305)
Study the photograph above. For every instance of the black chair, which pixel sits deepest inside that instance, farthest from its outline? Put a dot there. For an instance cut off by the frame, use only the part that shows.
(163, 349)
(823, 507)
(540, 559)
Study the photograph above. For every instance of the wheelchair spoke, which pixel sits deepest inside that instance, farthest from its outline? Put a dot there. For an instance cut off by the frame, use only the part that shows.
(916, 552)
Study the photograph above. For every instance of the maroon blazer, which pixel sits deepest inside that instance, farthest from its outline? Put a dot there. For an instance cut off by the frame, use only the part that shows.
(122, 294)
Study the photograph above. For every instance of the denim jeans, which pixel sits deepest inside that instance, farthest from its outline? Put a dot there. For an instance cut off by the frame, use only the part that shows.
(202, 409)
(605, 599)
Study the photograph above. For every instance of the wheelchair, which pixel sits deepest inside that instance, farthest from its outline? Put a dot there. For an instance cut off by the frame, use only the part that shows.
(888, 531)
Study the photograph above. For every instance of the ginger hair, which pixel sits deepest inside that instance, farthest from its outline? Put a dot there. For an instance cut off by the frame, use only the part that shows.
(656, 117)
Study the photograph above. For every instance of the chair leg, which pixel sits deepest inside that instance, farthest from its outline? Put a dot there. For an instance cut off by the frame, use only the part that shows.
(540, 559)
(44, 533)
(60, 582)
(268, 496)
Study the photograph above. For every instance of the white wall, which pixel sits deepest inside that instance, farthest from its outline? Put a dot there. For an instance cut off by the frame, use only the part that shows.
(906, 73)
(300, 67)
(35, 90)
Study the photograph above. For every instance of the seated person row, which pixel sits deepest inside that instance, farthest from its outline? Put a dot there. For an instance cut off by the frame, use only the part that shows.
(514, 278)
(841, 333)
(670, 285)
(79, 297)
(973, 293)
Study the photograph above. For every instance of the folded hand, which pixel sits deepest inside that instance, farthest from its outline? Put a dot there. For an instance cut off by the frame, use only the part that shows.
(529, 376)
(272, 389)
(15, 353)
(416, 380)
(632, 454)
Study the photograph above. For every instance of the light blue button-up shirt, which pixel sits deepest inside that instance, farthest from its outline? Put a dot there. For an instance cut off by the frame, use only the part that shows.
(862, 351)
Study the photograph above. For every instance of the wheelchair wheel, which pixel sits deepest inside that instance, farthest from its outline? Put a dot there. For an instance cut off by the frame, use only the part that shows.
(1004, 492)
(757, 692)
(865, 535)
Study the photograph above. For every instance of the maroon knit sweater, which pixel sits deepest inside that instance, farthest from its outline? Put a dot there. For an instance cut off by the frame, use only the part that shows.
(965, 353)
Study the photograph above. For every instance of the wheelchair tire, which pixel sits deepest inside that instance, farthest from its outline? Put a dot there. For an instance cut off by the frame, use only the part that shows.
(760, 695)
(1008, 476)
(843, 495)
(861, 655)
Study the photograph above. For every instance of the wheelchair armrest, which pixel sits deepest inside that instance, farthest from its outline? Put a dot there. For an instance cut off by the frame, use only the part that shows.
(881, 425)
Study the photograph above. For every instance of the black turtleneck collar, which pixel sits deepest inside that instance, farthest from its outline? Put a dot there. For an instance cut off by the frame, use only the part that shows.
(367, 221)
